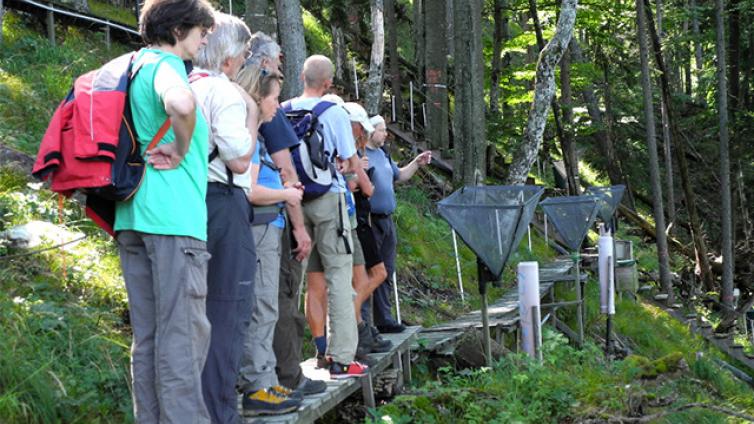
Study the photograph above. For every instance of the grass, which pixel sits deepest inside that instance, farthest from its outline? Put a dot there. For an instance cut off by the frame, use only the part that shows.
(35, 76)
(64, 356)
(573, 384)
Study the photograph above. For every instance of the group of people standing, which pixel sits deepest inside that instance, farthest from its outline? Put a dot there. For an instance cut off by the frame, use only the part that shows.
(215, 243)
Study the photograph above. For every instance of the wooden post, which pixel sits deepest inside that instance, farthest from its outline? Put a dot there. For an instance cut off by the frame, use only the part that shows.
(51, 27)
(406, 361)
(398, 367)
(107, 35)
(367, 390)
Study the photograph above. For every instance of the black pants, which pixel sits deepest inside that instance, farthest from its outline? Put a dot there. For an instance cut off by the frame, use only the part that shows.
(289, 330)
(230, 292)
(385, 235)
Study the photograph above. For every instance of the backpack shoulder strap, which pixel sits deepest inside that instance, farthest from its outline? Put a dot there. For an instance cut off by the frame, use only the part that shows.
(321, 107)
(287, 106)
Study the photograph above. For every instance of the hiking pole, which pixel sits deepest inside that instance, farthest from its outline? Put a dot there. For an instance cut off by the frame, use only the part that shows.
(397, 301)
(458, 265)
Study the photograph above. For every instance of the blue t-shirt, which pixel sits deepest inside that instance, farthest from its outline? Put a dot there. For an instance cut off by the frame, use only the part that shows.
(385, 173)
(278, 133)
(269, 178)
(337, 132)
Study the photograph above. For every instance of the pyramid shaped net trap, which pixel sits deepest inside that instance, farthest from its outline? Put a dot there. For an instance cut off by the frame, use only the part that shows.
(572, 216)
(609, 199)
(491, 220)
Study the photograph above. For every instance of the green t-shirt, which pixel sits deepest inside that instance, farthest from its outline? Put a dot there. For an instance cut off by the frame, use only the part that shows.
(169, 202)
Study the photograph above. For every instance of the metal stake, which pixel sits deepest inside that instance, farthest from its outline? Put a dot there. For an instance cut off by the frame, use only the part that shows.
(486, 330)
(397, 300)
(580, 298)
(458, 266)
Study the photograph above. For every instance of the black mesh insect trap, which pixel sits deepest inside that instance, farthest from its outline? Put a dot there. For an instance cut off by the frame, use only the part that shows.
(609, 199)
(491, 220)
(572, 217)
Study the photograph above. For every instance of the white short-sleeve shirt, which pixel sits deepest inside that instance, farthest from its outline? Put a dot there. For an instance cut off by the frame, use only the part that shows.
(225, 112)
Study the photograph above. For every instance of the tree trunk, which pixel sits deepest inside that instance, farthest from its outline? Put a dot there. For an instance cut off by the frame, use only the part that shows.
(394, 72)
(419, 40)
(667, 141)
(687, 58)
(726, 213)
(259, 18)
(470, 141)
(501, 29)
(734, 53)
(554, 102)
(544, 91)
(654, 165)
(373, 86)
(436, 77)
(600, 125)
(567, 143)
(703, 263)
(698, 59)
(2, 13)
(291, 32)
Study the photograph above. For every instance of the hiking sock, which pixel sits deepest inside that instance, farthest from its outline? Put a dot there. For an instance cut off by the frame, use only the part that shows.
(321, 343)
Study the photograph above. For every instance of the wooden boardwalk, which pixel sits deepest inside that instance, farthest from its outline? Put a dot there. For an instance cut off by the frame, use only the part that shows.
(316, 406)
(503, 314)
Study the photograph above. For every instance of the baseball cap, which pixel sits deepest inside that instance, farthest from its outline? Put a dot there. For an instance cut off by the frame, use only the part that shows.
(357, 114)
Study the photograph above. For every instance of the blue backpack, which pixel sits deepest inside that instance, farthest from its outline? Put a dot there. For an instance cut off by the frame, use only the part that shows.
(314, 164)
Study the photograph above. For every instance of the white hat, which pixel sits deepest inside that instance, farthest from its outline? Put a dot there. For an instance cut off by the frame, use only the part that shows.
(377, 120)
(333, 98)
(357, 114)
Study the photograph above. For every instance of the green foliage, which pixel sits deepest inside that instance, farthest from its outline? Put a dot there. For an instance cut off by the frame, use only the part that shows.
(106, 10)
(64, 355)
(35, 76)
(318, 39)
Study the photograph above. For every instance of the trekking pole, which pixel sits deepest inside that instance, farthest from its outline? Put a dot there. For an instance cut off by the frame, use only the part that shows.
(355, 79)
(411, 101)
(458, 266)
(397, 300)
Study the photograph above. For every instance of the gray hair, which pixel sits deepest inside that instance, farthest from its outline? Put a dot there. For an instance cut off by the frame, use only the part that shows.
(262, 47)
(229, 38)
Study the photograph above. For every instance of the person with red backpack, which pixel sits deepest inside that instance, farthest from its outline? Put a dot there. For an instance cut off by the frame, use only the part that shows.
(162, 229)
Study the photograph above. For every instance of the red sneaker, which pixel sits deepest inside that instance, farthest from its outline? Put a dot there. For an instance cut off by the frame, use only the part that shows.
(354, 369)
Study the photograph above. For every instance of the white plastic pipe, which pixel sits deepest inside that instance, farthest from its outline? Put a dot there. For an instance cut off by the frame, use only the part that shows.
(607, 275)
(528, 297)
(458, 266)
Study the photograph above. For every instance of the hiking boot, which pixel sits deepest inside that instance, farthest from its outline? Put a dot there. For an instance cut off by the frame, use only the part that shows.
(394, 327)
(309, 387)
(286, 392)
(365, 341)
(340, 371)
(322, 361)
(379, 344)
(267, 402)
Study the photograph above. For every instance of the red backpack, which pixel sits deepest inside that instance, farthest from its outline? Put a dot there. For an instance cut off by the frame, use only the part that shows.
(91, 144)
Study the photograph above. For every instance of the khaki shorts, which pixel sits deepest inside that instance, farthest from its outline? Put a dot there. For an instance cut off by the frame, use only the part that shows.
(315, 263)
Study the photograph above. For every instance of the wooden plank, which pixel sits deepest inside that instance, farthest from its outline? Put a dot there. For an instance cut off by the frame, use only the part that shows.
(315, 406)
